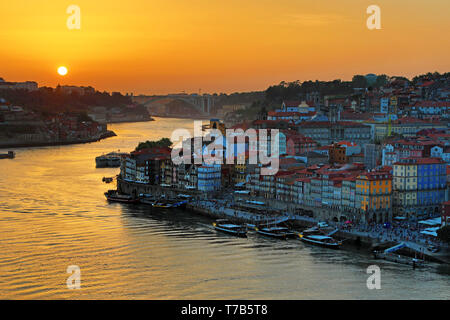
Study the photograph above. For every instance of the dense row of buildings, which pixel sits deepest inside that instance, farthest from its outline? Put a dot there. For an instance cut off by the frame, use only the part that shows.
(412, 187)
(27, 85)
(20, 125)
(370, 156)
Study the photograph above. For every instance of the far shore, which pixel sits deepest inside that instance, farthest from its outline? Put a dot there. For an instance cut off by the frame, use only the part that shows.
(200, 117)
(105, 135)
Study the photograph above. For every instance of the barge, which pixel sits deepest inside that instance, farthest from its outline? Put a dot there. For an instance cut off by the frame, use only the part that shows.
(322, 241)
(9, 155)
(414, 262)
(276, 232)
(110, 160)
(230, 228)
(114, 196)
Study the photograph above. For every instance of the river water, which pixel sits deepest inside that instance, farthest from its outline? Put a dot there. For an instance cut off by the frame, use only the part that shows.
(53, 214)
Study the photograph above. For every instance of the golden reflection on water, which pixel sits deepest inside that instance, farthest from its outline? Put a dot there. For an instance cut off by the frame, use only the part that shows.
(53, 214)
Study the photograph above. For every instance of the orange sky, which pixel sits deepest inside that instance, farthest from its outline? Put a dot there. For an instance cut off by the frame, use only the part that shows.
(162, 46)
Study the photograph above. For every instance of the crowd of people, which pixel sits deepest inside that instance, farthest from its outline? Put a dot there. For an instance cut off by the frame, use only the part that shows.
(397, 231)
(403, 231)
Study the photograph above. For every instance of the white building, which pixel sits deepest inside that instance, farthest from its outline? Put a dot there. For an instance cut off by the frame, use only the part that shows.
(388, 155)
(438, 152)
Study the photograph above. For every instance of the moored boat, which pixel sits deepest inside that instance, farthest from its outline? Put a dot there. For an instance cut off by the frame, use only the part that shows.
(107, 179)
(146, 198)
(9, 155)
(110, 160)
(312, 230)
(323, 241)
(390, 256)
(162, 204)
(114, 196)
(231, 228)
(276, 232)
(169, 204)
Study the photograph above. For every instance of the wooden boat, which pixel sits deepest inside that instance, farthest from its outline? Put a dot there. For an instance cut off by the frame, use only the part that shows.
(114, 196)
(276, 232)
(162, 204)
(9, 155)
(312, 230)
(146, 198)
(231, 228)
(414, 262)
(169, 204)
(323, 241)
(107, 179)
(110, 160)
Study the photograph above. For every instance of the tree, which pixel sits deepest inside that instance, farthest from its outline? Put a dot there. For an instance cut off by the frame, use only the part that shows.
(359, 81)
(162, 143)
(381, 80)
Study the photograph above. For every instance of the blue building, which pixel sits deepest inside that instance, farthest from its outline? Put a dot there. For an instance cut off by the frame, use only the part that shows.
(431, 184)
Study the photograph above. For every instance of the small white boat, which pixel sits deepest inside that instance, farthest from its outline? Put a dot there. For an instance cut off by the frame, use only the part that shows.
(231, 228)
(276, 232)
(389, 256)
(323, 241)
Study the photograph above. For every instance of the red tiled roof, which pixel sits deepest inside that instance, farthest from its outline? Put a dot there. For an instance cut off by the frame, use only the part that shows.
(283, 114)
(426, 84)
(430, 104)
(329, 124)
(270, 121)
(420, 161)
(292, 103)
(347, 143)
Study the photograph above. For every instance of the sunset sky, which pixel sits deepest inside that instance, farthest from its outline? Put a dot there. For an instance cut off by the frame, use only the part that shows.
(168, 46)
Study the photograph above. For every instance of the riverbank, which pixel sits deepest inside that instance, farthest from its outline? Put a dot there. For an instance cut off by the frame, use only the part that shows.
(185, 116)
(129, 120)
(22, 144)
(216, 210)
(222, 206)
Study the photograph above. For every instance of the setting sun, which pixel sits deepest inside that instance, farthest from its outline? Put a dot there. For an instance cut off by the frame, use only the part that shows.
(62, 70)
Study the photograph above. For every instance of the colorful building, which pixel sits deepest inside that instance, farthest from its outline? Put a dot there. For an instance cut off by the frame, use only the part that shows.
(374, 195)
(419, 186)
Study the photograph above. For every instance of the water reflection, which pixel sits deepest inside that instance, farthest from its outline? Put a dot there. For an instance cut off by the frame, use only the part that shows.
(53, 214)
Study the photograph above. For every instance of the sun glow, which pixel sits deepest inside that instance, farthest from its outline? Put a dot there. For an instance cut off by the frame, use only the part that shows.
(62, 70)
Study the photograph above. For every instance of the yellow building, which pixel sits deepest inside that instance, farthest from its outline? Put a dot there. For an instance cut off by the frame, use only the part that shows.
(240, 169)
(394, 103)
(374, 194)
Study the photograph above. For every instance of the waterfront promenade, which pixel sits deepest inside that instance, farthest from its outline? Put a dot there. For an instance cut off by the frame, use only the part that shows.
(374, 234)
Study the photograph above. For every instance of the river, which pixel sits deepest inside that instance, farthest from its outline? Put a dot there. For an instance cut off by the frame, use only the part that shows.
(53, 214)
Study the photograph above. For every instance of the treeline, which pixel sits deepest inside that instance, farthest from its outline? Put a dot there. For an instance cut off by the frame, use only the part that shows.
(239, 98)
(50, 100)
(164, 142)
(298, 90)
(435, 76)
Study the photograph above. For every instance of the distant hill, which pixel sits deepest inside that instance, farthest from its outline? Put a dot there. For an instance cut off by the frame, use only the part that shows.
(172, 107)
